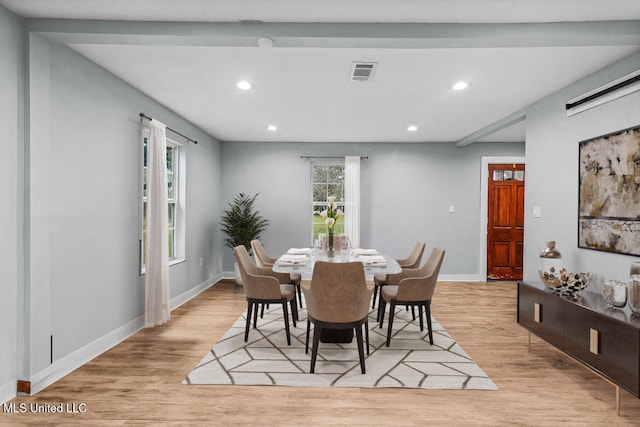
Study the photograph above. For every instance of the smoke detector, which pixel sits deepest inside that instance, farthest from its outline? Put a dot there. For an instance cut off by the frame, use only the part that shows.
(362, 71)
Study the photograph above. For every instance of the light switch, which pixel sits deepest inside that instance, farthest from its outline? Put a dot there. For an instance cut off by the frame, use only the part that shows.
(451, 209)
(537, 212)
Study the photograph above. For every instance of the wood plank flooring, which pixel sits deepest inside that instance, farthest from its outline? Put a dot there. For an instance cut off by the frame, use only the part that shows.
(139, 382)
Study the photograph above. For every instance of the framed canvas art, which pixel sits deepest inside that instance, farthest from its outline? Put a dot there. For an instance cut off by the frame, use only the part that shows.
(609, 198)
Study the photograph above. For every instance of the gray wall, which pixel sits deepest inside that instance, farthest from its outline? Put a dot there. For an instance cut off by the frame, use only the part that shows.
(11, 123)
(406, 190)
(83, 200)
(552, 171)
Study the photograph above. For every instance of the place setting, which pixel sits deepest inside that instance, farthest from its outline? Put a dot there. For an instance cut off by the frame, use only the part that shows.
(369, 257)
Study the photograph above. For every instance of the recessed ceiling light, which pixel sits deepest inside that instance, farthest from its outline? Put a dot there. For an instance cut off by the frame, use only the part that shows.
(265, 42)
(412, 128)
(461, 85)
(244, 85)
(272, 128)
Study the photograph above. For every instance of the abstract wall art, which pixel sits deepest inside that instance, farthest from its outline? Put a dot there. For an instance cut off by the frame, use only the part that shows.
(609, 197)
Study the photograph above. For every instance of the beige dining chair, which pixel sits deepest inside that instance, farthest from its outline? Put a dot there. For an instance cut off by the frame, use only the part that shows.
(411, 261)
(264, 286)
(411, 287)
(264, 260)
(337, 298)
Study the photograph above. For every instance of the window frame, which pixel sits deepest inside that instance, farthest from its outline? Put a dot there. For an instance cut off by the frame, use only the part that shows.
(340, 201)
(178, 163)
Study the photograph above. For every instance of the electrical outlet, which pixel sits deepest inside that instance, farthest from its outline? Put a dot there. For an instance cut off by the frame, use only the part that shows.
(452, 209)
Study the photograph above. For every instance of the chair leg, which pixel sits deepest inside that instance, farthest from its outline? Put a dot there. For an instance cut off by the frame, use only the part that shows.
(360, 348)
(255, 315)
(246, 328)
(286, 321)
(366, 332)
(306, 344)
(392, 312)
(294, 310)
(382, 305)
(413, 312)
(300, 295)
(427, 309)
(262, 309)
(375, 294)
(314, 350)
(421, 321)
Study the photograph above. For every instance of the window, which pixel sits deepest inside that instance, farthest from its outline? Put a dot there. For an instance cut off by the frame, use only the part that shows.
(327, 179)
(175, 201)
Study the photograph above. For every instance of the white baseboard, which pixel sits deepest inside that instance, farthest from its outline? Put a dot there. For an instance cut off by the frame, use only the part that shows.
(73, 361)
(193, 292)
(217, 278)
(8, 391)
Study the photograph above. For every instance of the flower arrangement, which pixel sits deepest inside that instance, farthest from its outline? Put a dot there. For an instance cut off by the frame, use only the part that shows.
(331, 215)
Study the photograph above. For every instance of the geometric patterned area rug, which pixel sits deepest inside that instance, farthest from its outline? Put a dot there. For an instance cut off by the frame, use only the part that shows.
(409, 362)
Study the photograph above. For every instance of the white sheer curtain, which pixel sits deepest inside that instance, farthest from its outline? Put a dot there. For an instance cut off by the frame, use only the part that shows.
(156, 281)
(352, 200)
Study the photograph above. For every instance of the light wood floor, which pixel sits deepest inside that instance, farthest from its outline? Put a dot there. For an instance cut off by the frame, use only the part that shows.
(139, 381)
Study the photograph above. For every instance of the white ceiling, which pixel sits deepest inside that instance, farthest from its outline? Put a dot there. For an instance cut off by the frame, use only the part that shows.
(331, 10)
(302, 85)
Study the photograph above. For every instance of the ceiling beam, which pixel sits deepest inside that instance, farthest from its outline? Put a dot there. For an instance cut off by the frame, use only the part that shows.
(339, 35)
(494, 127)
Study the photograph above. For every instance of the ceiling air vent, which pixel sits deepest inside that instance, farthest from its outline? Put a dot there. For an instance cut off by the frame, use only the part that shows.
(362, 71)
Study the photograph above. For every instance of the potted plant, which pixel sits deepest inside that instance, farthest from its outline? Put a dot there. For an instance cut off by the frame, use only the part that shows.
(242, 223)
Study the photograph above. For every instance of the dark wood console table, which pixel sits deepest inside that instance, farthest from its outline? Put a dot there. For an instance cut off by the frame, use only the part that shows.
(605, 340)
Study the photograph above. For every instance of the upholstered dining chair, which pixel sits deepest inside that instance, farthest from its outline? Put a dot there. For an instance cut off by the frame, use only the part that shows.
(411, 261)
(337, 298)
(264, 286)
(264, 260)
(411, 287)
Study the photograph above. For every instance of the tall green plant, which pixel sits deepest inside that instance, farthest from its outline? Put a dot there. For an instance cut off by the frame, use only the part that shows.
(242, 222)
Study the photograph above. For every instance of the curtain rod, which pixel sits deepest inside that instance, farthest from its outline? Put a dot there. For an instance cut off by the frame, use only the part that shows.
(144, 116)
(320, 157)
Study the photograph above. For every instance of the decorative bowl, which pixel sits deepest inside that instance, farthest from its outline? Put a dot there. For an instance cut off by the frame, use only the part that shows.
(564, 282)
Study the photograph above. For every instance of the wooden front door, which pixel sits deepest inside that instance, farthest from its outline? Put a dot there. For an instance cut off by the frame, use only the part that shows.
(505, 224)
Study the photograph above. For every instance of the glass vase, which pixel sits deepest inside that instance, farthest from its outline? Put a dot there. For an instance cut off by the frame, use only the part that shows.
(550, 266)
(614, 293)
(634, 288)
(330, 250)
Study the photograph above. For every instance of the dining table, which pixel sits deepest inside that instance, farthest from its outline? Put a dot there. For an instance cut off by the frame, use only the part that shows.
(301, 261)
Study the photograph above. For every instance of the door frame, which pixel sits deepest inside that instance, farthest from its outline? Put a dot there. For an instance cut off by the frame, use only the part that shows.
(484, 204)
